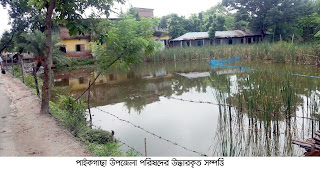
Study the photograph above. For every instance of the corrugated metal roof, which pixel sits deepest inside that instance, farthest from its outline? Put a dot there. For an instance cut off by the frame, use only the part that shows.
(218, 34)
(192, 36)
(235, 33)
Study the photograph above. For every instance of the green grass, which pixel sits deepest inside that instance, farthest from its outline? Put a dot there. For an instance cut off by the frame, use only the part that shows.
(72, 115)
(29, 79)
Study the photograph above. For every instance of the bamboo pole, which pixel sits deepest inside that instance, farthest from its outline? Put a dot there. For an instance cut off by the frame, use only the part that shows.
(22, 68)
(7, 63)
(145, 147)
(12, 66)
(89, 104)
(36, 80)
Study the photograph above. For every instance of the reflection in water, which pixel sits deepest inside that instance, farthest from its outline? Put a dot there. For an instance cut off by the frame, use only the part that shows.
(144, 96)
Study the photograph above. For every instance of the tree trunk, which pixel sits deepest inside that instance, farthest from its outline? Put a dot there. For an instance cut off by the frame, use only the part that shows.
(48, 60)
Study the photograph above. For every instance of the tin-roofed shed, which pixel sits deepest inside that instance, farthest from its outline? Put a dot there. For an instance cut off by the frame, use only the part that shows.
(191, 39)
(237, 37)
(221, 37)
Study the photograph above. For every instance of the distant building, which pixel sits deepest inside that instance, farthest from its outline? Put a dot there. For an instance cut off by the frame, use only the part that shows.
(191, 39)
(237, 37)
(145, 12)
(78, 46)
(160, 34)
(74, 47)
(221, 38)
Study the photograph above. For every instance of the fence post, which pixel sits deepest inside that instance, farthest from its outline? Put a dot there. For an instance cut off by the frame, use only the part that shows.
(36, 80)
(145, 147)
(7, 63)
(22, 68)
(89, 104)
(12, 66)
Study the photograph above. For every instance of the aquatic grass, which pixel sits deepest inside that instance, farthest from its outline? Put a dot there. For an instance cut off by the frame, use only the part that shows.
(276, 52)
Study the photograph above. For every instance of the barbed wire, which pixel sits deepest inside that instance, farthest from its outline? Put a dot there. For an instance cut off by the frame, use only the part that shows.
(155, 135)
(128, 146)
(222, 104)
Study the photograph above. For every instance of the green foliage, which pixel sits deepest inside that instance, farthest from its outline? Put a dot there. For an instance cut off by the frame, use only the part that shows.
(75, 62)
(263, 15)
(278, 52)
(215, 18)
(5, 40)
(97, 136)
(29, 80)
(135, 13)
(127, 39)
(72, 115)
(176, 25)
(35, 42)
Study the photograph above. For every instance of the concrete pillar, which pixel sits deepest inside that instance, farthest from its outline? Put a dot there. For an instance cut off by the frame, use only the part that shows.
(190, 43)
(181, 43)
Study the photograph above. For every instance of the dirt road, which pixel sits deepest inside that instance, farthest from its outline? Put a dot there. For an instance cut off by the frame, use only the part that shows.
(26, 132)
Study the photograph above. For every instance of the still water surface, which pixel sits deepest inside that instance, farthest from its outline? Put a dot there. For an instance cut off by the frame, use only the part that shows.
(178, 101)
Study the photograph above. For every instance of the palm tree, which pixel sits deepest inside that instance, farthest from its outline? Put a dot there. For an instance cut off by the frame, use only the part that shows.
(35, 42)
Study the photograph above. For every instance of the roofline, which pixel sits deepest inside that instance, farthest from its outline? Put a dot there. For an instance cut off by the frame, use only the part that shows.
(144, 8)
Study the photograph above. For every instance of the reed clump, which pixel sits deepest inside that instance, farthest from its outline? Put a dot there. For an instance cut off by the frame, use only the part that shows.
(276, 52)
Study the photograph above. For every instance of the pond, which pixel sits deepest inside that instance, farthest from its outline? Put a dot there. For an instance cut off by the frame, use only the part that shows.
(188, 108)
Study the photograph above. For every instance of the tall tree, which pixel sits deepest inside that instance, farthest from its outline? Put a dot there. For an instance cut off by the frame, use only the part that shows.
(265, 14)
(176, 25)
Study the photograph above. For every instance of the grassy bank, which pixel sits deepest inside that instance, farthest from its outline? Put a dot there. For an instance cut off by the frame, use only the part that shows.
(276, 52)
(72, 115)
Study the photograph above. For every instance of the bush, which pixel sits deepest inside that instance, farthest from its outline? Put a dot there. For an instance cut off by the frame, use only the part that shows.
(97, 136)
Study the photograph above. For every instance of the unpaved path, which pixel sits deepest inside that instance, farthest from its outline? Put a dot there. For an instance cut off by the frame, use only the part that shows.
(26, 132)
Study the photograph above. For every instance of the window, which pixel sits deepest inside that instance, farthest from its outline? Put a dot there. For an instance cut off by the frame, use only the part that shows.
(80, 47)
(249, 41)
(81, 80)
(241, 40)
(200, 43)
(63, 49)
(230, 41)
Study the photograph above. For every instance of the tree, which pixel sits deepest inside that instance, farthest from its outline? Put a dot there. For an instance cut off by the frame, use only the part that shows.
(35, 42)
(265, 14)
(135, 13)
(5, 42)
(127, 40)
(176, 25)
(67, 12)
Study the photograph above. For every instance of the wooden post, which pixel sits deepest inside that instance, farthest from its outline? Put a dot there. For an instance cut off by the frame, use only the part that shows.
(292, 38)
(7, 63)
(145, 147)
(22, 68)
(89, 104)
(12, 66)
(36, 80)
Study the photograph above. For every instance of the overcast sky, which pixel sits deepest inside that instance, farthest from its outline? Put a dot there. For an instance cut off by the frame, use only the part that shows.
(161, 8)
